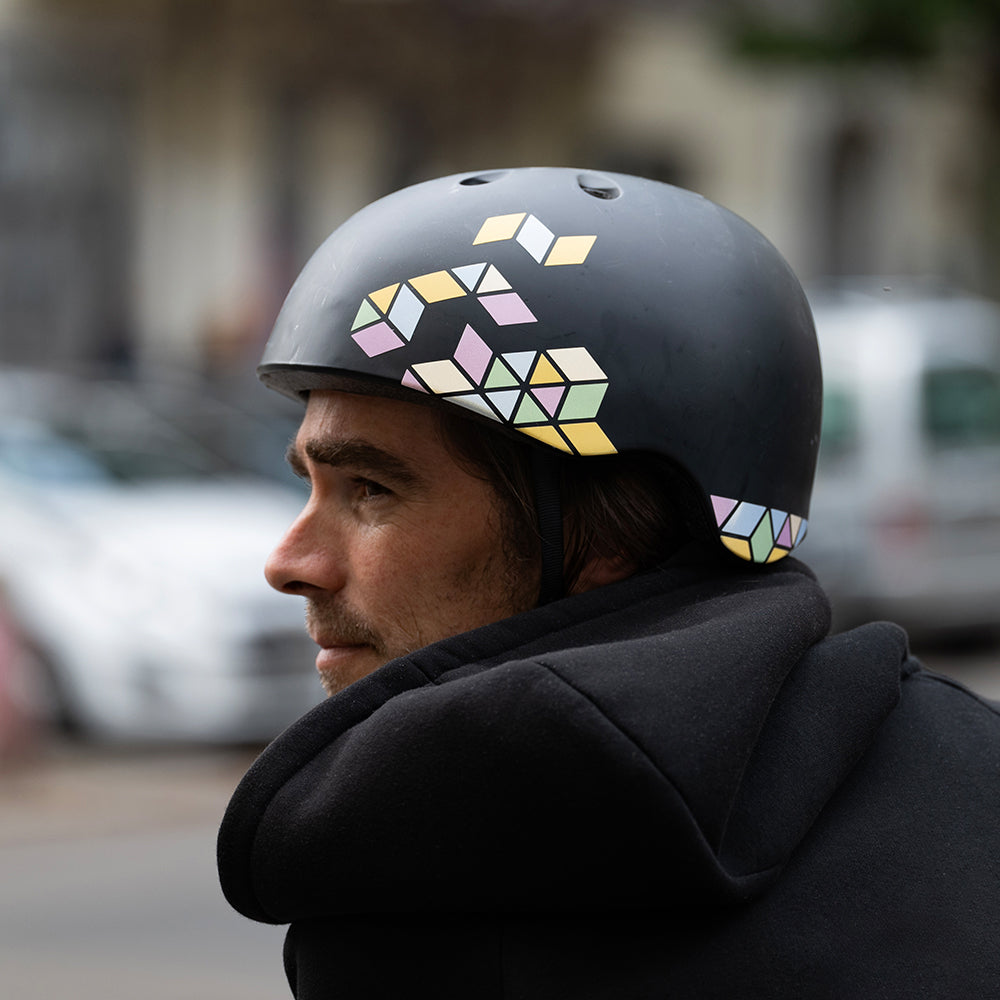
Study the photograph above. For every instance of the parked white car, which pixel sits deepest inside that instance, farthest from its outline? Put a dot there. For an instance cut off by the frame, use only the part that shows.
(905, 521)
(134, 567)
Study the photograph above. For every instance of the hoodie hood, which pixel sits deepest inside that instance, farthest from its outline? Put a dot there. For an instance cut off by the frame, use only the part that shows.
(666, 742)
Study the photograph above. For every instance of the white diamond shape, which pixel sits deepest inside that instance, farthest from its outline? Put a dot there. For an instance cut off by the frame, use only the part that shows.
(535, 237)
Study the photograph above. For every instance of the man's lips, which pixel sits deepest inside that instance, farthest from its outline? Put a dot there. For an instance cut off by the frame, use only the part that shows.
(334, 651)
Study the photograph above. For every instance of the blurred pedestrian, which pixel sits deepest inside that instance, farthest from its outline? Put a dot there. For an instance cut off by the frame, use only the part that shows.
(589, 735)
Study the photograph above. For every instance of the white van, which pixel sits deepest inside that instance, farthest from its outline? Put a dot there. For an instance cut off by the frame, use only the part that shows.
(905, 520)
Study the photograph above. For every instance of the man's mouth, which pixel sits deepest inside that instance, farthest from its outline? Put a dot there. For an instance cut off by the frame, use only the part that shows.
(332, 653)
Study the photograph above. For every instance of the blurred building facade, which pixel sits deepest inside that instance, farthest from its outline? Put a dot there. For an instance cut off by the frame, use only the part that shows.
(166, 166)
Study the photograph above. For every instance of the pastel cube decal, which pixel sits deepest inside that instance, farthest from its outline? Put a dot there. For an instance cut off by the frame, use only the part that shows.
(740, 546)
(366, 315)
(473, 401)
(442, 377)
(798, 529)
(532, 234)
(500, 376)
(784, 536)
(384, 296)
(535, 237)
(778, 518)
(762, 541)
(550, 397)
(387, 318)
(545, 373)
(437, 287)
(588, 439)
(376, 340)
(412, 382)
(473, 354)
(469, 274)
(405, 312)
(499, 227)
(507, 309)
(525, 389)
(529, 412)
(521, 362)
(744, 519)
(583, 401)
(577, 364)
(756, 533)
(504, 401)
(493, 281)
(723, 507)
(547, 434)
(570, 250)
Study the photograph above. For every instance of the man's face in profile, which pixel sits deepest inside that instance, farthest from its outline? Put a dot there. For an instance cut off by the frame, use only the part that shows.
(398, 545)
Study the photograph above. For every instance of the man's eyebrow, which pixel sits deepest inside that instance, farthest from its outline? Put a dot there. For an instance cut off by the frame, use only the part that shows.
(355, 454)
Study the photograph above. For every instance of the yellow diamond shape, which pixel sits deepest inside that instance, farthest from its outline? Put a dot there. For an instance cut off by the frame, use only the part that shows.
(588, 439)
(437, 286)
(740, 546)
(383, 297)
(499, 227)
(569, 250)
(547, 435)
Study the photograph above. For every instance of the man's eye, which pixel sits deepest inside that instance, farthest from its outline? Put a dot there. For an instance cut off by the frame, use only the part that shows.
(370, 489)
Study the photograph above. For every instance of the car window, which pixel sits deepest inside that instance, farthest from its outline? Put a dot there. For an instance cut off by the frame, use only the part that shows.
(840, 422)
(961, 406)
(42, 457)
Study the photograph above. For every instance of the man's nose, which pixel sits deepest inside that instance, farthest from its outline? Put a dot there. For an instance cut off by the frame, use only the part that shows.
(307, 558)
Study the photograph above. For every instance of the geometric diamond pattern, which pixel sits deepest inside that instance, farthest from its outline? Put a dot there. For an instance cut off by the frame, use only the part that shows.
(536, 238)
(756, 533)
(553, 396)
(387, 319)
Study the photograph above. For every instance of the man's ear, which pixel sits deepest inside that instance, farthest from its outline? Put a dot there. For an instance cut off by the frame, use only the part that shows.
(599, 571)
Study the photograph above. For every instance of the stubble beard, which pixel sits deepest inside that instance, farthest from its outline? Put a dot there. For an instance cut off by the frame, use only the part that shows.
(514, 569)
(349, 629)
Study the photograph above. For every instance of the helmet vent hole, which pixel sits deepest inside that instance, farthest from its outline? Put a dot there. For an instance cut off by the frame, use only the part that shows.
(488, 178)
(598, 187)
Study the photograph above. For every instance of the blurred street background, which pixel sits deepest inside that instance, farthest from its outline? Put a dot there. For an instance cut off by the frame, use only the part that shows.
(168, 166)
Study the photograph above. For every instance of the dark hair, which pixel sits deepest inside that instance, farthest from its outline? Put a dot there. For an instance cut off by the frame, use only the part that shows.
(626, 507)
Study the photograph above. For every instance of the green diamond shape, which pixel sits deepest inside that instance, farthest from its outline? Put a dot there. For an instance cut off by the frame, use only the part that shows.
(583, 401)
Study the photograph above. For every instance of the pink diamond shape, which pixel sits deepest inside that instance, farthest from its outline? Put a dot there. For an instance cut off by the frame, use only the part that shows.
(507, 309)
(473, 354)
(377, 339)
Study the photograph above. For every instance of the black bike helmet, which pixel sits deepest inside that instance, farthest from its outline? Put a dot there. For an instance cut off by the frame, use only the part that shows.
(594, 313)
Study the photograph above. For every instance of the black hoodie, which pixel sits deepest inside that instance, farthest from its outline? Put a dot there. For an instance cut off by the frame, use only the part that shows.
(675, 786)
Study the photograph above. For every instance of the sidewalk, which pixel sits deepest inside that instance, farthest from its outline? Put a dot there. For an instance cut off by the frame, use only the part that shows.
(68, 792)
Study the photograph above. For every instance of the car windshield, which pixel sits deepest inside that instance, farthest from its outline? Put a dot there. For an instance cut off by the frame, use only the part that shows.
(840, 422)
(961, 406)
(43, 455)
(78, 431)
(35, 453)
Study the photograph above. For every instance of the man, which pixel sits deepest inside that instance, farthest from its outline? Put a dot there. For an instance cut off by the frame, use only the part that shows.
(589, 736)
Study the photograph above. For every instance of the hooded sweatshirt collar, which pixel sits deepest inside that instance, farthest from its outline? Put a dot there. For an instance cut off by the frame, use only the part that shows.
(665, 742)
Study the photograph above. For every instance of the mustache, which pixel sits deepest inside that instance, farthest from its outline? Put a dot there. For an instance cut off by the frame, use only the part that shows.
(334, 621)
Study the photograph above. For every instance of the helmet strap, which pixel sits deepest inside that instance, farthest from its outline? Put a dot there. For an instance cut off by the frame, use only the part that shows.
(548, 509)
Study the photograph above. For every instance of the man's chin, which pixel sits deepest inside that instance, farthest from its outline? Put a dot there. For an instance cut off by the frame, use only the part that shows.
(341, 666)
